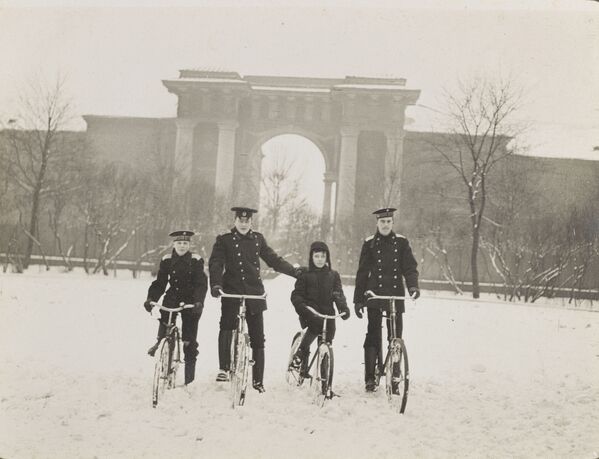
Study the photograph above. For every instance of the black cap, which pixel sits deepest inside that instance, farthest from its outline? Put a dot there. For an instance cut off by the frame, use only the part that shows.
(183, 235)
(384, 212)
(243, 211)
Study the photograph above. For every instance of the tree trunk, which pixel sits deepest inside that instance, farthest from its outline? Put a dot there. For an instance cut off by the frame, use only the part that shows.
(474, 262)
(32, 225)
(85, 248)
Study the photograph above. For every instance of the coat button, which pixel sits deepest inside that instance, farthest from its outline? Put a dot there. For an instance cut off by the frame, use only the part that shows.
(380, 285)
(242, 278)
(395, 286)
(240, 263)
(378, 261)
(394, 277)
(239, 253)
(380, 276)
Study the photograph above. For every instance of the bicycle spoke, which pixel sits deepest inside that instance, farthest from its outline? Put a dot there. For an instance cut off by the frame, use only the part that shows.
(323, 374)
(397, 375)
(239, 370)
(160, 371)
(292, 376)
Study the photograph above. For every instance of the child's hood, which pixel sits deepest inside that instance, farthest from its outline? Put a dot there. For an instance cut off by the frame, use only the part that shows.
(319, 246)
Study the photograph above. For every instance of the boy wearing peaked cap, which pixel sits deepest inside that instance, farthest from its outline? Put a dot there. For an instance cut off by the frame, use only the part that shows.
(234, 267)
(386, 260)
(184, 273)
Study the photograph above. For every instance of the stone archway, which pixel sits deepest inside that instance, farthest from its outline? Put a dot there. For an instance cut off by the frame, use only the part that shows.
(346, 118)
(254, 172)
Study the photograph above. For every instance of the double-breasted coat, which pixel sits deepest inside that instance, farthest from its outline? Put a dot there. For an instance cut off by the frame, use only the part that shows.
(186, 279)
(235, 265)
(385, 261)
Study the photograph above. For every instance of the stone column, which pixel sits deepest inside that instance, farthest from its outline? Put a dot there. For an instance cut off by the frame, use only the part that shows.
(329, 178)
(184, 146)
(393, 167)
(225, 157)
(346, 182)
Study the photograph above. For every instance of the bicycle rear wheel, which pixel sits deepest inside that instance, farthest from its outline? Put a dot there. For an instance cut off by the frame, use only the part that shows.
(322, 377)
(397, 375)
(161, 369)
(293, 375)
(240, 366)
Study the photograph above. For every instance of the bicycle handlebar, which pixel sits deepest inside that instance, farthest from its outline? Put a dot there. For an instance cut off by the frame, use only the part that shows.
(247, 297)
(323, 316)
(179, 309)
(373, 296)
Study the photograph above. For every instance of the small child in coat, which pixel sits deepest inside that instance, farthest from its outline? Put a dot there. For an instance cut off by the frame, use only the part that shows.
(320, 288)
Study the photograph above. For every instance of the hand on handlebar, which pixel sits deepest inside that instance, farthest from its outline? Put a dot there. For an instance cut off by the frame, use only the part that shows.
(148, 306)
(414, 292)
(216, 291)
(358, 307)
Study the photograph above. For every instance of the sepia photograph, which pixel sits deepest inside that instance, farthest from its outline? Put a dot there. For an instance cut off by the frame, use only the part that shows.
(299, 229)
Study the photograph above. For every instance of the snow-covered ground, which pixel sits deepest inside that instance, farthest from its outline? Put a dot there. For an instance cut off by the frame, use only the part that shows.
(488, 379)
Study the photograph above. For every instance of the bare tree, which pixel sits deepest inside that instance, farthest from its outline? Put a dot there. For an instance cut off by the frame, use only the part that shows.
(111, 209)
(479, 115)
(280, 193)
(34, 150)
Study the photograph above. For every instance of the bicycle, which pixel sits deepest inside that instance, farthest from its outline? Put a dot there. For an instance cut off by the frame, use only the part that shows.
(168, 354)
(240, 363)
(395, 366)
(322, 377)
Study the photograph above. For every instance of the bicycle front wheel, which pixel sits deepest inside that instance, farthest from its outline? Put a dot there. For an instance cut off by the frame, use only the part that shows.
(397, 375)
(240, 367)
(322, 377)
(161, 370)
(174, 360)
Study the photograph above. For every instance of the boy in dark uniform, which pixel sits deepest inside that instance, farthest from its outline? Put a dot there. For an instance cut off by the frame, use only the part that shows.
(234, 267)
(184, 272)
(386, 257)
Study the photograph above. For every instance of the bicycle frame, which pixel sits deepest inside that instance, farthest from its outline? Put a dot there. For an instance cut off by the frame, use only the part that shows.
(165, 371)
(238, 369)
(323, 346)
(396, 355)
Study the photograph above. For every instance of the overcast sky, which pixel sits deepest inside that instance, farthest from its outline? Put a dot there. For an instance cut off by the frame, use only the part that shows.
(114, 58)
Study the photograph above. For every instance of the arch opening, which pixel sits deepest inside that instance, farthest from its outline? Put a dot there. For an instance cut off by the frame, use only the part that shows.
(292, 190)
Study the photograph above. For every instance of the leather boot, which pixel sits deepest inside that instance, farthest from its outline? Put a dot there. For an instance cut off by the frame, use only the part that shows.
(190, 370)
(370, 354)
(258, 369)
(224, 349)
(304, 365)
